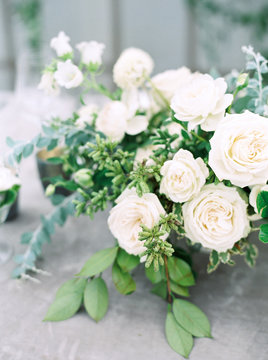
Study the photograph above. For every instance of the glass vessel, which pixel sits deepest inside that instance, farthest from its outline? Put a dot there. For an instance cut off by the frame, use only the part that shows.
(5, 249)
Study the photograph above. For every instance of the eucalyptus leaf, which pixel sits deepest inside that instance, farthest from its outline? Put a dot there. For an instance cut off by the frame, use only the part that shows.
(96, 298)
(99, 262)
(191, 318)
(180, 272)
(123, 281)
(179, 339)
(160, 289)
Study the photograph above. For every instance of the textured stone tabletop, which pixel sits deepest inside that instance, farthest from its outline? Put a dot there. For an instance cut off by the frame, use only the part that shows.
(235, 300)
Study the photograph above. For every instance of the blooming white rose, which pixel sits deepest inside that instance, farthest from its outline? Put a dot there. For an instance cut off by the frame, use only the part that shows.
(254, 194)
(112, 120)
(61, 44)
(239, 149)
(91, 52)
(168, 82)
(68, 75)
(183, 177)
(7, 178)
(48, 84)
(216, 217)
(86, 115)
(202, 102)
(132, 68)
(130, 212)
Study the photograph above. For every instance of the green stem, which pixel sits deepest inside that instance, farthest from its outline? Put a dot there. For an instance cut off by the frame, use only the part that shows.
(168, 283)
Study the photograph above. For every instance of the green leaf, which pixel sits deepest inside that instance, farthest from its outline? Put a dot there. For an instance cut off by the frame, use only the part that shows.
(55, 160)
(10, 142)
(154, 276)
(180, 272)
(160, 289)
(179, 339)
(262, 203)
(224, 257)
(263, 234)
(67, 301)
(191, 318)
(96, 298)
(126, 261)
(99, 262)
(251, 254)
(122, 281)
(27, 150)
(214, 261)
(179, 290)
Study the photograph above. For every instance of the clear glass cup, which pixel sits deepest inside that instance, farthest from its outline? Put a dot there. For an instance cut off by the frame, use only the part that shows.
(5, 248)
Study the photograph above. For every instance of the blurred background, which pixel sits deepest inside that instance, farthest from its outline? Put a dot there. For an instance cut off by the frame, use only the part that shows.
(201, 34)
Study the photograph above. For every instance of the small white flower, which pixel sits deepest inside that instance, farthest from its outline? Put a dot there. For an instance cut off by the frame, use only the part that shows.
(61, 44)
(239, 149)
(183, 177)
(174, 128)
(168, 82)
(132, 68)
(91, 52)
(144, 153)
(86, 115)
(112, 120)
(68, 75)
(8, 178)
(202, 102)
(130, 212)
(256, 189)
(216, 217)
(48, 84)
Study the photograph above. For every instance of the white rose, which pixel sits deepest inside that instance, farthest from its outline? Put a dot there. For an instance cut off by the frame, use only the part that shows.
(132, 68)
(112, 120)
(216, 217)
(144, 153)
(130, 212)
(91, 52)
(183, 177)
(202, 102)
(68, 75)
(254, 194)
(61, 44)
(175, 128)
(86, 115)
(168, 82)
(239, 149)
(7, 179)
(48, 84)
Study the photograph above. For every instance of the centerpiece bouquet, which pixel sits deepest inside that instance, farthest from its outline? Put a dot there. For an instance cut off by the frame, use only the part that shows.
(182, 158)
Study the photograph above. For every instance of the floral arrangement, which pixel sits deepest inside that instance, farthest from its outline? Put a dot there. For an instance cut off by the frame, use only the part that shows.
(183, 159)
(9, 185)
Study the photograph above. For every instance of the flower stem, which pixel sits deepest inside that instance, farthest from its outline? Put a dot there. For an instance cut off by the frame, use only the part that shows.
(168, 283)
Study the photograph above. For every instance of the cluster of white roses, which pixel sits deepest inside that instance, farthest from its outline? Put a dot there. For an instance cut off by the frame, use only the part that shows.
(214, 215)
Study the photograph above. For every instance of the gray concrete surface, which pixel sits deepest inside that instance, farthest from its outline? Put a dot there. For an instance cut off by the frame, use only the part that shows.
(235, 300)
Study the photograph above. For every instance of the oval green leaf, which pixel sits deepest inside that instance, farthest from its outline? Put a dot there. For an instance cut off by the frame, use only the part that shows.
(154, 276)
(179, 339)
(67, 301)
(180, 272)
(123, 281)
(179, 290)
(96, 298)
(126, 261)
(99, 262)
(191, 318)
(262, 203)
(263, 234)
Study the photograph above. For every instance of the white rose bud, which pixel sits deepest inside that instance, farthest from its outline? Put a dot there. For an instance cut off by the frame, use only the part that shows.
(239, 149)
(168, 82)
(61, 44)
(183, 177)
(202, 102)
(112, 120)
(68, 75)
(83, 177)
(130, 212)
(216, 217)
(254, 194)
(86, 115)
(8, 178)
(132, 68)
(91, 52)
(48, 84)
